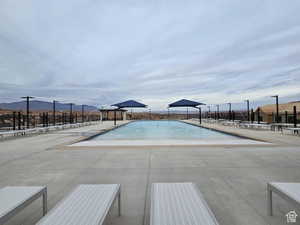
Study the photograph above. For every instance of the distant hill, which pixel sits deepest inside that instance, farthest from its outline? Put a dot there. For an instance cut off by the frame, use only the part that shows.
(36, 105)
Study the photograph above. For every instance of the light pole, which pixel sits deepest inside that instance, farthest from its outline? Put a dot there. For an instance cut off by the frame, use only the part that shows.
(27, 108)
(229, 110)
(54, 112)
(248, 110)
(82, 113)
(277, 108)
(71, 112)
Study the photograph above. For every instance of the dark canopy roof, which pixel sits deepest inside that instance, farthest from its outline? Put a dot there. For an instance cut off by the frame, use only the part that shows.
(185, 103)
(130, 104)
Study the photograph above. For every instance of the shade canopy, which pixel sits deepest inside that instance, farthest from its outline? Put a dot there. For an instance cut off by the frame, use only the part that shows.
(185, 103)
(130, 104)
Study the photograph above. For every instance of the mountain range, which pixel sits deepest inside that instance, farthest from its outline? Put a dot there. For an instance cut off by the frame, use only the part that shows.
(36, 105)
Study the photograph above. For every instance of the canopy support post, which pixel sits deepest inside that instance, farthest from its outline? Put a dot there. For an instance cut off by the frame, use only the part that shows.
(199, 115)
(115, 119)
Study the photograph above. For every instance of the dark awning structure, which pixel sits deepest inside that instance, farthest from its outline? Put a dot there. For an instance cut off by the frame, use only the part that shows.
(187, 103)
(130, 104)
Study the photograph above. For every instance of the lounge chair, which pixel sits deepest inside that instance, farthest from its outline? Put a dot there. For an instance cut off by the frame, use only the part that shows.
(288, 191)
(14, 199)
(88, 204)
(179, 204)
(295, 130)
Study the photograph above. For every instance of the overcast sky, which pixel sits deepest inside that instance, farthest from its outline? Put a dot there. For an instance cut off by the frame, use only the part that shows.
(102, 52)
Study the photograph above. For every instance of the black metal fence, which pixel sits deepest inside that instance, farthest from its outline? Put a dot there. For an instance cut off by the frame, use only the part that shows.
(18, 120)
(256, 116)
(232, 115)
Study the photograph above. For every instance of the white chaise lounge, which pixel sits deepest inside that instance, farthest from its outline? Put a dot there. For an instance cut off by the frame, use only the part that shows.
(14, 199)
(288, 191)
(88, 204)
(179, 204)
(295, 130)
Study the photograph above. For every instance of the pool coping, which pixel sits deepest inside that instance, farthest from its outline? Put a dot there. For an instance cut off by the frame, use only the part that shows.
(100, 132)
(225, 132)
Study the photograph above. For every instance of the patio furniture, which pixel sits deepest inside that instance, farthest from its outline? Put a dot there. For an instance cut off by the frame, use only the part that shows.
(258, 126)
(294, 130)
(288, 191)
(179, 204)
(88, 204)
(14, 199)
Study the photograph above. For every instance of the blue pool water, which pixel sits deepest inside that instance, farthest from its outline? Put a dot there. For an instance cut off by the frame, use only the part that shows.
(143, 130)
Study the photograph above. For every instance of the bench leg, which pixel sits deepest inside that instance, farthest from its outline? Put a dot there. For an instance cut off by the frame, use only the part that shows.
(270, 202)
(119, 203)
(45, 208)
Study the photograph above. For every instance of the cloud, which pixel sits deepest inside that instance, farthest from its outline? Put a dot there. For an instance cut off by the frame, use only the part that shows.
(103, 52)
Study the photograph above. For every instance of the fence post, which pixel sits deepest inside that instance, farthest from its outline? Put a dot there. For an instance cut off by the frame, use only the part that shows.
(14, 120)
(295, 116)
(43, 119)
(19, 120)
(47, 119)
(23, 121)
(33, 117)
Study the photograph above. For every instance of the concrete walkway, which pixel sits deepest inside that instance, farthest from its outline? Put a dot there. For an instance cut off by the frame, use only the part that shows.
(232, 179)
(275, 137)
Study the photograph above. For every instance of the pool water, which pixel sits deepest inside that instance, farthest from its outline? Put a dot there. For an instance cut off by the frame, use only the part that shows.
(149, 130)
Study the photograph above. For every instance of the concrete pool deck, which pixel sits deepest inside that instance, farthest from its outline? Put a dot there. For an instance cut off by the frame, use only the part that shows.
(260, 135)
(169, 142)
(232, 179)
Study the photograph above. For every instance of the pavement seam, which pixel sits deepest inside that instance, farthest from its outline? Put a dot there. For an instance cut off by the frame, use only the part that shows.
(241, 196)
(22, 157)
(147, 188)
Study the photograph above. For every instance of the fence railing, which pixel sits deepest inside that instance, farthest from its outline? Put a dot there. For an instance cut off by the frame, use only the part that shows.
(19, 121)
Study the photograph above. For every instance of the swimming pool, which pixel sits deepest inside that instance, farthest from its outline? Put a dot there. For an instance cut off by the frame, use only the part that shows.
(163, 133)
(155, 130)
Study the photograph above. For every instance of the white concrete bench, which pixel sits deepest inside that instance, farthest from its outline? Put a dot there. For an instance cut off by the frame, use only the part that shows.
(179, 204)
(14, 199)
(288, 191)
(88, 204)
